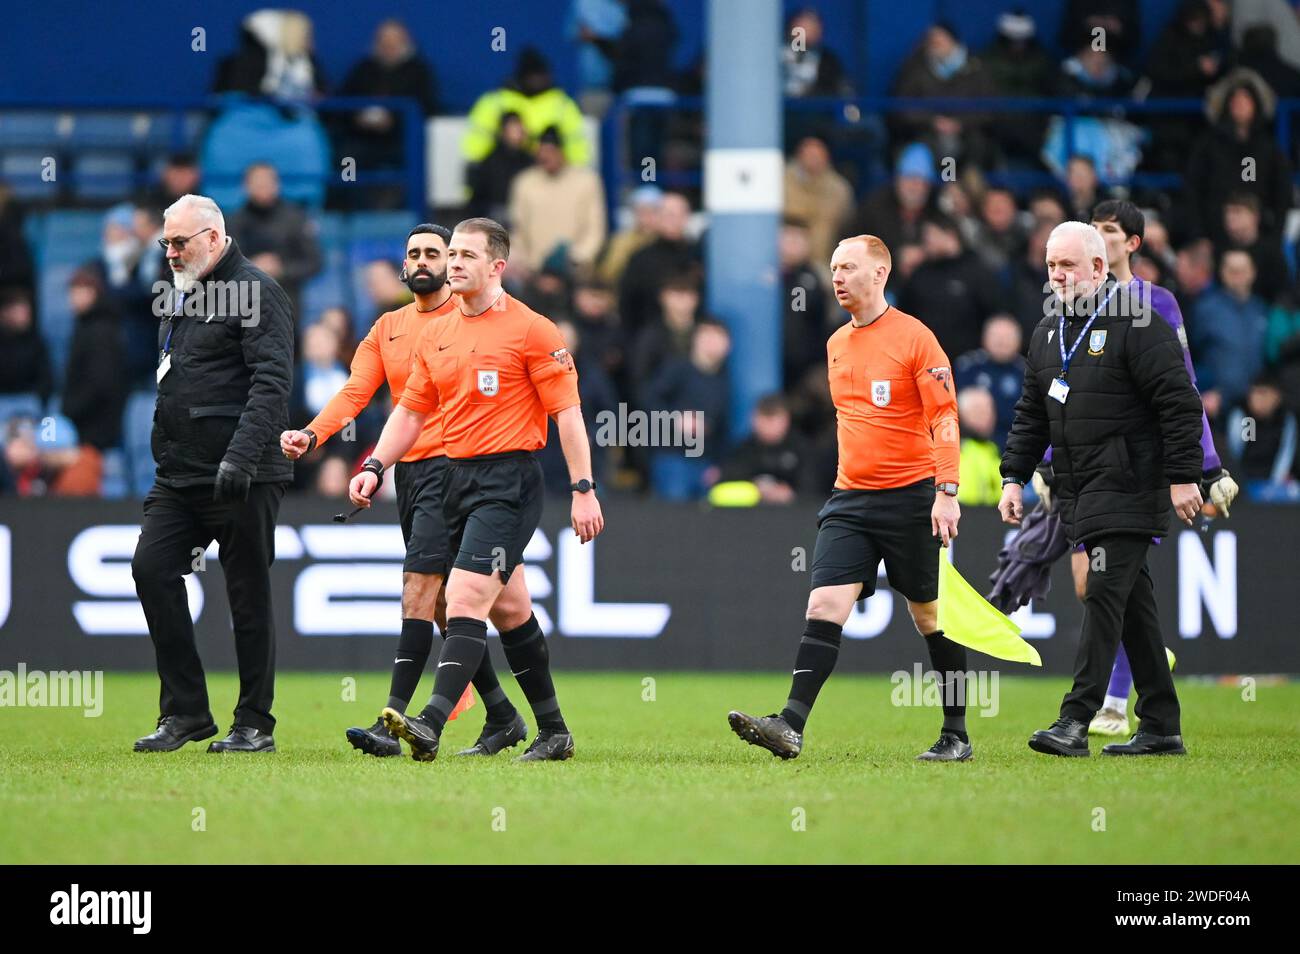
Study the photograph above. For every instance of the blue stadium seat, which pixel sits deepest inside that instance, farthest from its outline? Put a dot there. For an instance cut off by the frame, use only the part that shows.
(69, 236)
(23, 169)
(246, 132)
(103, 175)
(329, 289)
(35, 128)
(95, 129)
(115, 485)
(56, 319)
(381, 226)
(137, 426)
(174, 131)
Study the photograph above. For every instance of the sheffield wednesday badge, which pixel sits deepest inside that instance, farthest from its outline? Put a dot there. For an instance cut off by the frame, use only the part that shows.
(1096, 342)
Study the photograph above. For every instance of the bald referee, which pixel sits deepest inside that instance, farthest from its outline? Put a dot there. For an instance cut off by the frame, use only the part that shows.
(895, 497)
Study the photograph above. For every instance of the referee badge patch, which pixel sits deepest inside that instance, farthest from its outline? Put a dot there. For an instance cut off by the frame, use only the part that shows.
(488, 383)
(563, 358)
(880, 393)
(1096, 342)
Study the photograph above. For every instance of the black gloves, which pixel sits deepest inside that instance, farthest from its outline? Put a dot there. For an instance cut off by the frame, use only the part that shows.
(232, 483)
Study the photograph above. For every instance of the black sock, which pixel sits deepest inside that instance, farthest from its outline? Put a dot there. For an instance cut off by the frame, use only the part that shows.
(462, 652)
(530, 663)
(413, 648)
(949, 661)
(500, 710)
(818, 650)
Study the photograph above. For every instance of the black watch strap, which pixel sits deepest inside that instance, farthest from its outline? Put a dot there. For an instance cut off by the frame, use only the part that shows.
(583, 486)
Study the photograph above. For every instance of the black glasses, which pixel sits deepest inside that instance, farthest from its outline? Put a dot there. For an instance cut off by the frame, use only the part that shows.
(179, 244)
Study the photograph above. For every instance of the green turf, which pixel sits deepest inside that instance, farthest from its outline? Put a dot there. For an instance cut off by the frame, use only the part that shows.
(653, 781)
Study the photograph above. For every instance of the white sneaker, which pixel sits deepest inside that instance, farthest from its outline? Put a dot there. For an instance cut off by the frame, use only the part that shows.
(1109, 722)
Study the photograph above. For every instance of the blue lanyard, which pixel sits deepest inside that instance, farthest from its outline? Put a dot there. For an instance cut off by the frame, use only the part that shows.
(171, 323)
(1067, 358)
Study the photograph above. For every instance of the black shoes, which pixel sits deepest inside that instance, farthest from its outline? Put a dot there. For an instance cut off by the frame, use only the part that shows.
(244, 738)
(949, 748)
(495, 738)
(376, 740)
(1147, 743)
(1062, 737)
(175, 730)
(549, 747)
(770, 732)
(415, 731)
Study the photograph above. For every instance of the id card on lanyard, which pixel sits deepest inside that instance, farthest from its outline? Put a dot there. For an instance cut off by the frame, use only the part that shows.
(165, 356)
(1059, 390)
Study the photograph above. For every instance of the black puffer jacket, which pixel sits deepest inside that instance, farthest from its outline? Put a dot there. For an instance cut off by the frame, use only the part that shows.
(1129, 428)
(226, 396)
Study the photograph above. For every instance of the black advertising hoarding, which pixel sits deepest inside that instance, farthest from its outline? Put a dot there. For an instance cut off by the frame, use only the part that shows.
(665, 587)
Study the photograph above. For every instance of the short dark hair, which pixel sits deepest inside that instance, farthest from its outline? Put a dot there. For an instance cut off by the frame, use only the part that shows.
(498, 239)
(770, 404)
(1246, 200)
(1129, 216)
(431, 228)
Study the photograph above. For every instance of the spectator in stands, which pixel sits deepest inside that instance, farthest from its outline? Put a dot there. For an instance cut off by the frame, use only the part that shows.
(46, 458)
(597, 325)
(893, 212)
(952, 292)
(981, 459)
(669, 336)
(1227, 335)
(999, 234)
(595, 25)
(384, 289)
(940, 67)
(599, 400)
(1081, 184)
(808, 67)
(393, 68)
(672, 253)
(275, 58)
(644, 204)
(1018, 65)
(1094, 71)
(1282, 348)
(24, 361)
(1241, 215)
(339, 321)
(94, 389)
(556, 210)
(1116, 23)
(320, 374)
(1029, 291)
(806, 324)
(642, 55)
(995, 367)
(490, 181)
(1258, 52)
(1155, 245)
(534, 97)
(179, 176)
(1241, 107)
(1046, 208)
(276, 234)
(1262, 439)
(699, 387)
(16, 270)
(1188, 56)
(819, 196)
(774, 457)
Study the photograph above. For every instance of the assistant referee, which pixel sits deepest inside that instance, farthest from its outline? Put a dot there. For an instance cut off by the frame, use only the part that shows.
(897, 426)
(497, 369)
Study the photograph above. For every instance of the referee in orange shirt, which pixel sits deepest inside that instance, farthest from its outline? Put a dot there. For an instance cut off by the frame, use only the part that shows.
(496, 369)
(895, 496)
(385, 354)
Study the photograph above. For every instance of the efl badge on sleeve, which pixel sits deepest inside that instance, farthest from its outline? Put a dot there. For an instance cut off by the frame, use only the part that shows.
(880, 393)
(564, 359)
(488, 383)
(1096, 342)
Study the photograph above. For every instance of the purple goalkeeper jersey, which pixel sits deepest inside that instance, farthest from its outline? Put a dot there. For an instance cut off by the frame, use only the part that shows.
(1166, 306)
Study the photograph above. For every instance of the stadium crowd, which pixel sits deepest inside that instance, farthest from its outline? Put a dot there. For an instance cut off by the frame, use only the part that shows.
(946, 192)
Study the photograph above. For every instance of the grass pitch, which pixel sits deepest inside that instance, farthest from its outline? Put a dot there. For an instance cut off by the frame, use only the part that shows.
(652, 781)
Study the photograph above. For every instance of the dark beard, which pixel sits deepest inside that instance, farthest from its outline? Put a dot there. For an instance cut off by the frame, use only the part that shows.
(426, 283)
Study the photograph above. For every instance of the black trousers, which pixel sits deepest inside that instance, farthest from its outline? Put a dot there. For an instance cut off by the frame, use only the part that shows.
(1119, 603)
(177, 523)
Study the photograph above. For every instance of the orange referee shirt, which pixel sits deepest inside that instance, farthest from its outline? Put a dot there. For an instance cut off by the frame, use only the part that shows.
(496, 376)
(385, 353)
(895, 408)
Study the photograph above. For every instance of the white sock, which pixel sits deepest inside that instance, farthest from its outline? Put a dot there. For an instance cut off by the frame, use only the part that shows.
(1118, 703)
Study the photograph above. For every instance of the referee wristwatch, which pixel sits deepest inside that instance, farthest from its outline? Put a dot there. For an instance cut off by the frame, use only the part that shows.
(1012, 480)
(948, 488)
(583, 486)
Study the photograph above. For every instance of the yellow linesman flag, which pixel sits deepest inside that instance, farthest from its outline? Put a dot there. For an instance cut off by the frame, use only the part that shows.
(968, 618)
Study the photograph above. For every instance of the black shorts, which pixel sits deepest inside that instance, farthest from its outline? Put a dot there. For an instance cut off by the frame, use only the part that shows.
(857, 528)
(420, 485)
(492, 504)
